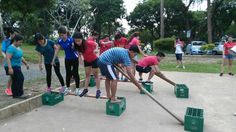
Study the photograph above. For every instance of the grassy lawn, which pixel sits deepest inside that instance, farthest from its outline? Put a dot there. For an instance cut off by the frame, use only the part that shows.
(198, 63)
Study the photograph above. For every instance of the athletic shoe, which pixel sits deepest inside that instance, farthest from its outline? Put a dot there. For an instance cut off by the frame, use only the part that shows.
(221, 74)
(231, 74)
(85, 91)
(22, 97)
(8, 91)
(140, 80)
(49, 90)
(183, 67)
(98, 94)
(78, 91)
(177, 66)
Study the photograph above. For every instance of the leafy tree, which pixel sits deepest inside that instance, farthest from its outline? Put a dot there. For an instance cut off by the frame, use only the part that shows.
(106, 14)
(72, 13)
(25, 14)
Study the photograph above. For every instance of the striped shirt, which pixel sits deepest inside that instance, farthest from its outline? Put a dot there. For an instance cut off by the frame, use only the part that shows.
(116, 56)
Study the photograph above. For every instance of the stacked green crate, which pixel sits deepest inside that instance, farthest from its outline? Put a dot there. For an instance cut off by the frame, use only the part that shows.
(116, 109)
(92, 81)
(52, 98)
(194, 120)
(181, 91)
(148, 87)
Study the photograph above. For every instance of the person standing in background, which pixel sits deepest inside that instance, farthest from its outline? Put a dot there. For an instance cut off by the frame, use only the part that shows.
(179, 53)
(227, 56)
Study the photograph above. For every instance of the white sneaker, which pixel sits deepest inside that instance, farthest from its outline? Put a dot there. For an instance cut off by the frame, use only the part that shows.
(78, 91)
(183, 67)
(177, 66)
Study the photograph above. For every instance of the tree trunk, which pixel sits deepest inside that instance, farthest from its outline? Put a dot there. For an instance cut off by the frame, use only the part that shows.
(162, 19)
(1, 27)
(209, 21)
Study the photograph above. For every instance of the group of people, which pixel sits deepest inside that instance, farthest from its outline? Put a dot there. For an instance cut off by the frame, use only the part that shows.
(78, 50)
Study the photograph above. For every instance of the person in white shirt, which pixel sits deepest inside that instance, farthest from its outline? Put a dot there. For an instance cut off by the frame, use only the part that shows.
(179, 52)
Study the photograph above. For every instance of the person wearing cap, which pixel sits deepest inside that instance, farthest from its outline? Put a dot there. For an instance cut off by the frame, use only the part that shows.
(106, 64)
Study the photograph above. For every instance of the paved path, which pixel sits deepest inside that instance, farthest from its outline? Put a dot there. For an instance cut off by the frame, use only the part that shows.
(30, 74)
(210, 92)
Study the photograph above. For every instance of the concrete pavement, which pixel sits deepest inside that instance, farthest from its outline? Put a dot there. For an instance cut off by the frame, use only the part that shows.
(214, 94)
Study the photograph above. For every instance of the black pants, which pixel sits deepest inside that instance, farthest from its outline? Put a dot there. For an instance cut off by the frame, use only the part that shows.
(48, 68)
(72, 67)
(17, 82)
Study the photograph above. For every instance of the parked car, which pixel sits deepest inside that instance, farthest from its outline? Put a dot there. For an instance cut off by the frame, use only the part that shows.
(195, 47)
(218, 49)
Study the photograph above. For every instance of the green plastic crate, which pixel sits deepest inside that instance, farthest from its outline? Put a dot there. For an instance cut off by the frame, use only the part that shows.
(52, 98)
(194, 120)
(92, 81)
(148, 87)
(116, 109)
(181, 91)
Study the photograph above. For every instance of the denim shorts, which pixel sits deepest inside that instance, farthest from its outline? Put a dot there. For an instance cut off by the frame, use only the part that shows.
(229, 56)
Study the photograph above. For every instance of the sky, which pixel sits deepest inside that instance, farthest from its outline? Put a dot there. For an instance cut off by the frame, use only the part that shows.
(130, 5)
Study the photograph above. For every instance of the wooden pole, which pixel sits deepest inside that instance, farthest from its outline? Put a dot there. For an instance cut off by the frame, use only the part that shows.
(152, 97)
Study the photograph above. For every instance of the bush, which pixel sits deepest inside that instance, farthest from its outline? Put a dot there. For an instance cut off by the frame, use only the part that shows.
(166, 44)
(208, 47)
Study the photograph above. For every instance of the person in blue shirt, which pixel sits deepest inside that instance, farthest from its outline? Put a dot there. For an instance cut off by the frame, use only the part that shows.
(14, 55)
(106, 63)
(46, 48)
(5, 44)
(71, 58)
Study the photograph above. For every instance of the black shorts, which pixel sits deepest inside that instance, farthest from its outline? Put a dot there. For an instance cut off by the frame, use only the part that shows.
(143, 69)
(94, 63)
(178, 57)
(6, 69)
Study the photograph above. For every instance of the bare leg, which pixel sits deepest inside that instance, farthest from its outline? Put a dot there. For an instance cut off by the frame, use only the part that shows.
(88, 71)
(9, 82)
(151, 74)
(95, 73)
(113, 89)
(230, 65)
(108, 87)
(222, 65)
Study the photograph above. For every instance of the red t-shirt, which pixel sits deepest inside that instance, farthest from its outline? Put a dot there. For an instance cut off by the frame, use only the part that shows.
(104, 47)
(122, 42)
(89, 54)
(228, 46)
(134, 41)
(148, 61)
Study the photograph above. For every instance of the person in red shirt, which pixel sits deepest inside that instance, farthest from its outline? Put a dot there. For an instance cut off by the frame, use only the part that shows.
(120, 41)
(227, 56)
(88, 48)
(149, 65)
(105, 44)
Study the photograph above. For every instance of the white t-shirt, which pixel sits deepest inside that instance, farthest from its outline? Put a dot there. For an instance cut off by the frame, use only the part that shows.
(178, 49)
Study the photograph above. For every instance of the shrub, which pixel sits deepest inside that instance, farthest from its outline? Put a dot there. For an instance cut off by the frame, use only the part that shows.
(166, 44)
(208, 47)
